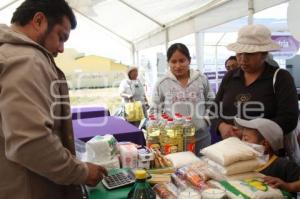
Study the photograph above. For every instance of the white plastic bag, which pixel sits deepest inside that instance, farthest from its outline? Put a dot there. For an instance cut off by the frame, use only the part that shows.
(80, 149)
(236, 168)
(291, 144)
(229, 151)
(101, 148)
(181, 159)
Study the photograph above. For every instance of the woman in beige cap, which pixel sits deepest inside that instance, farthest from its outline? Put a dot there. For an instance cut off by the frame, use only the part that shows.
(248, 92)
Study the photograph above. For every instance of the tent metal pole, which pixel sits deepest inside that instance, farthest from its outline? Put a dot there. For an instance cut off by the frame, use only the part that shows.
(216, 60)
(9, 4)
(141, 41)
(199, 41)
(167, 40)
(102, 26)
(216, 68)
(142, 13)
(250, 11)
(187, 17)
(137, 55)
(209, 6)
(133, 54)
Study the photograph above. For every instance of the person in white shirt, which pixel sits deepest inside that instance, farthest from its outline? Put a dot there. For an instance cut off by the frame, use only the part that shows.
(131, 89)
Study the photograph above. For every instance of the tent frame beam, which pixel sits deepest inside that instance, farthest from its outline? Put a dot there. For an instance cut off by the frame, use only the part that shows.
(251, 11)
(142, 13)
(112, 32)
(209, 6)
(102, 26)
(9, 4)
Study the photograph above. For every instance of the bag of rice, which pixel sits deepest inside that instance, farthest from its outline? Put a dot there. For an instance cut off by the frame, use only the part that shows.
(181, 159)
(229, 151)
(235, 168)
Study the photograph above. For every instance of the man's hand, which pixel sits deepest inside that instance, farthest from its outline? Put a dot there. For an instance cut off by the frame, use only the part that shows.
(96, 174)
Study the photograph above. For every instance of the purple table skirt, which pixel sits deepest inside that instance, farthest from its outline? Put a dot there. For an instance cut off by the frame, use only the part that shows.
(85, 129)
(89, 112)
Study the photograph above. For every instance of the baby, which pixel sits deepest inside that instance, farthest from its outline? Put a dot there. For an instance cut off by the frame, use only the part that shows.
(280, 172)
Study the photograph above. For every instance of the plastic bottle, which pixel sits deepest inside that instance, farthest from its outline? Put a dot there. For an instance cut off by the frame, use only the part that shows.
(153, 133)
(163, 133)
(169, 141)
(178, 128)
(152, 127)
(141, 189)
(163, 121)
(189, 131)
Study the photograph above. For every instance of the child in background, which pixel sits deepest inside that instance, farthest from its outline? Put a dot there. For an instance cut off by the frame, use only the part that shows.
(280, 172)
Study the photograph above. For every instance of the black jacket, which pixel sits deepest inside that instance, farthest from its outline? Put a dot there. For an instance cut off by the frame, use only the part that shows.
(259, 98)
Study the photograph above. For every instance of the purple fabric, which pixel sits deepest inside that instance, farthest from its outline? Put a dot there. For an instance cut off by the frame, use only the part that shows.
(89, 112)
(215, 137)
(85, 129)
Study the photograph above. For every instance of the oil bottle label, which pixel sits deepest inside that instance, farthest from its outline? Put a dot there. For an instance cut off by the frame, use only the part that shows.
(170, 149)
(190, 147)
(167, 149)
(153, 146)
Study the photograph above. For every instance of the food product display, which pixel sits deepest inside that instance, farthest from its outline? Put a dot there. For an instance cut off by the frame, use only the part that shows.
(184, 158)
(213, 193)
(128, 155)
(189, 139)
(171, 135)
(189, 193)
(191, 177)
(184, 175)
(160, 161)
(164, 192)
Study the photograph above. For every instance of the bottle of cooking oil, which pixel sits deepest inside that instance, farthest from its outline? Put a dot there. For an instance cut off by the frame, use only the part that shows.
(153, 133)
(168, 140)
(189, 131)
(163, 121)
(162, 125)
(178, 128)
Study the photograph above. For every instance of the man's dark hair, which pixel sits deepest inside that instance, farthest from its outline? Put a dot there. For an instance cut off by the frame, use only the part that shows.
(54, 10)
(230, 58)
(181, 48)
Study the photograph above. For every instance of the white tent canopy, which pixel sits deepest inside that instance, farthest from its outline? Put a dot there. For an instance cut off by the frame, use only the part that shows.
(140, 24)
(144, 23)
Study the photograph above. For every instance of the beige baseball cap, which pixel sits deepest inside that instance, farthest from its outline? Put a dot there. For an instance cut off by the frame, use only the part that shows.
(270, 130)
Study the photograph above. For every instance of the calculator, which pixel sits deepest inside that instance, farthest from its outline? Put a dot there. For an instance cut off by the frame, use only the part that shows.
(122, 178)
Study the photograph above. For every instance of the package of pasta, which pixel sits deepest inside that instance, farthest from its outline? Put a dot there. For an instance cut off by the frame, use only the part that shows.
(179, 182)
(202, 169)
(165, 191)
(191, 177)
